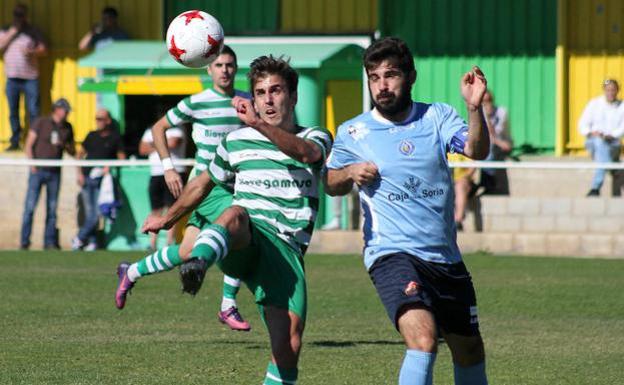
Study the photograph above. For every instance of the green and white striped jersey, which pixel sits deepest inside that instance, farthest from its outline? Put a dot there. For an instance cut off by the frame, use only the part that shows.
(213, 117)
(280, 194)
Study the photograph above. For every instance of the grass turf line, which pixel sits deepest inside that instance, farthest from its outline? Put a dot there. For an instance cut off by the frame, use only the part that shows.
(544, 320)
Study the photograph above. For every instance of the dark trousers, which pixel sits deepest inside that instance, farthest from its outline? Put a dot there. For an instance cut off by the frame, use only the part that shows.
(36, 180)
(30, 88)
(90, 193)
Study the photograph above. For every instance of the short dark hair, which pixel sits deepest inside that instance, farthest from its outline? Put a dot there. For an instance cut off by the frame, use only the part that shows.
(389, 48)
(110, 11)
(20, 10)
(229, 51)
(271, 65)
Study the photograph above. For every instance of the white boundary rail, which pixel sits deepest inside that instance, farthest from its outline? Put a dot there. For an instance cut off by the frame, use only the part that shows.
(8, 162)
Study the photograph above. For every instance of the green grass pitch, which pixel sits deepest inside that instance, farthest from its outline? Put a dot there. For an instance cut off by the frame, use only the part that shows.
(544, 321)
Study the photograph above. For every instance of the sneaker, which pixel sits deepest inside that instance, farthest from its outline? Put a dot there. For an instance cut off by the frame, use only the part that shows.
(593, 193)
(76, 244)
(92, 246)
(124, 285)
(232, 318)
(12, 148)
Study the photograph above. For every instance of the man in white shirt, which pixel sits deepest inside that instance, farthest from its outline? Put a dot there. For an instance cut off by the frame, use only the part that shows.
(160, 196)
(602, 123)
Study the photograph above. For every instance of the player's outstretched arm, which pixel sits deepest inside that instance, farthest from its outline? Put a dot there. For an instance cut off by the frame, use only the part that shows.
(290, 144)
(340, 181)
(172, 178)
(473, 87)
(194, 192)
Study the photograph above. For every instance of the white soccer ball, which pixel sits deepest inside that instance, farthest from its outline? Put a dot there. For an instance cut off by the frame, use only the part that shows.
(194, 38)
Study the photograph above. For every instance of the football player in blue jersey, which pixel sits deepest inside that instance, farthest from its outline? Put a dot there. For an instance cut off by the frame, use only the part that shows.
(397, 156)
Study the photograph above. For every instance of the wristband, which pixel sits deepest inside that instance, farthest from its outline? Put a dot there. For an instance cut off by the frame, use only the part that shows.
(167, 164)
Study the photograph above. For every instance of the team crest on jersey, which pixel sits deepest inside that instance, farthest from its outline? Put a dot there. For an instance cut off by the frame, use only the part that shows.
(412, 184)
(412, 288)
(406, 147)
(358, 131)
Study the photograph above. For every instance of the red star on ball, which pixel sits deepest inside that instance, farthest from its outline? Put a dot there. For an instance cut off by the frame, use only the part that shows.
(214, 46)
(190, 15)
(175, 51)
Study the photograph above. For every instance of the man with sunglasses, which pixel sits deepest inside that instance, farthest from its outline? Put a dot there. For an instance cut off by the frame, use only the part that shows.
(21, 44)
(103, 143)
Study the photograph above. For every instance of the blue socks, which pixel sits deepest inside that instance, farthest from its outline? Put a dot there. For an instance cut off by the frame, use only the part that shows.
(417, 368)
(471, 375)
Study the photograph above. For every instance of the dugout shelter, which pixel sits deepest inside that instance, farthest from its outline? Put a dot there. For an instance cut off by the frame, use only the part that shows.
(134, 76)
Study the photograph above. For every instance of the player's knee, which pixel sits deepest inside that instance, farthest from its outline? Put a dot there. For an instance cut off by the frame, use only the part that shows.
(422, 342)
(233, 219)
(236, 221)
(418, 328)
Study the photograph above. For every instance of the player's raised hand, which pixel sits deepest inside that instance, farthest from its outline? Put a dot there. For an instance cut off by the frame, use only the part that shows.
(363, 174)
(245, 110)
(153, 224)
(174, 182)
(473, 87)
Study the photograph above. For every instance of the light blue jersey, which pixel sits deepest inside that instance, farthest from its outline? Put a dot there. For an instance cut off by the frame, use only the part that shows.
(410, 208)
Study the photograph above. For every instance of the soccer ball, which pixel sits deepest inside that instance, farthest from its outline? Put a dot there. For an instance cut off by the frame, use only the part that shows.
(194, 38)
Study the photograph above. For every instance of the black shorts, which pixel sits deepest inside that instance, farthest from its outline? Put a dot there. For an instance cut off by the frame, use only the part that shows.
(159, 193)
(446, 290)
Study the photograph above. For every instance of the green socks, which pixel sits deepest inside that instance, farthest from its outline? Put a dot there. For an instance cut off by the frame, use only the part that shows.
(278, 376)
(211, 244)
(162, 260)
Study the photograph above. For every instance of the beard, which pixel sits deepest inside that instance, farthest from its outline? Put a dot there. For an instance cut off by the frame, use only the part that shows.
(392, 104)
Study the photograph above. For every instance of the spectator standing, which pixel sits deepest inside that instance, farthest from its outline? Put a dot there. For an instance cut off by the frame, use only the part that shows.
(495, 181)
(602, 123)
(103, 143)
(103, 33)
(22, 44)
(47, 139)
(160, 196)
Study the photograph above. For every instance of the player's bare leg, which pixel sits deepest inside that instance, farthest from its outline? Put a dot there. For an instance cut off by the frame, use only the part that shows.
(285, 331)
(419, 331)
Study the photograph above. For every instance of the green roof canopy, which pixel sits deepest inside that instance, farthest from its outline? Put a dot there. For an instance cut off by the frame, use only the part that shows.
(304, 53)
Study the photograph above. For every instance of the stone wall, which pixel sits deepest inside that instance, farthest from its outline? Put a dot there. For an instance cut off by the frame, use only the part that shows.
(13, 186)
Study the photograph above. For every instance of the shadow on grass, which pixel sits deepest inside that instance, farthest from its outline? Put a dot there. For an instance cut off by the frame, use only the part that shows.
(351, 344)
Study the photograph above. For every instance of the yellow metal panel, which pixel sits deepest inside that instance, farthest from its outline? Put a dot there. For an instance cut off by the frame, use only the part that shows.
(342, 102)
(158, 85)
(595, 24)
(561, 117)
(593, 47)
(586, 74)
(328, 16)
(287, 11)
(63, 23)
